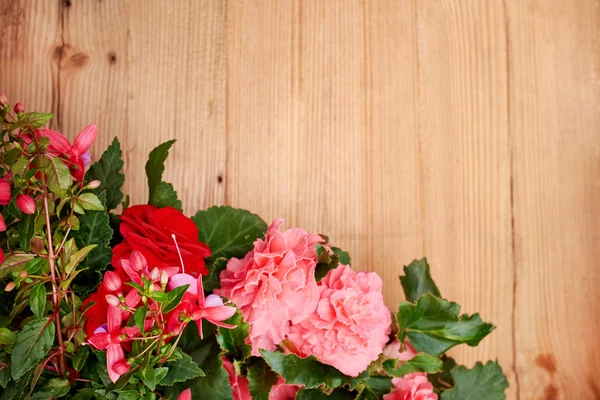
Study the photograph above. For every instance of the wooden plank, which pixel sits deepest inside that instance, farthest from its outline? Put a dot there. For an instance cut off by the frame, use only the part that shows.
(555, 122)
(463, 126)
(30, 31)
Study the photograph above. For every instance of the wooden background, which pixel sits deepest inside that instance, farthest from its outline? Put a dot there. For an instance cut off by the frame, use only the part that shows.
(466, 131)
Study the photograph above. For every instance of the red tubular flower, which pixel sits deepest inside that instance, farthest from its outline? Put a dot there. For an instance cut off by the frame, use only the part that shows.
(26, 204)
(149, 230)
(185, 395)
(122, 366)
(2, 224)
(4, 193)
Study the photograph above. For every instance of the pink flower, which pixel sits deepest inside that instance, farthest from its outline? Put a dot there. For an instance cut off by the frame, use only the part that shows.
(110, 338)
(183, 279)
(239, 384)
(394, 350)
(283, 391)
(122, 366)
(75, 155)
(2, 224)
(413, 386)
(26, 204)
(351, 324)
(185, 395)
(274, 284)
(112, 282)
(4, 193)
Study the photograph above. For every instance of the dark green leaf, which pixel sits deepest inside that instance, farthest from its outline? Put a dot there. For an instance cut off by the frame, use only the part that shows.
(33, 343)
(26, 229)
(308, 371)
(443, 380)
(260, 379)
(316, 394)
(58, 176)
(229, 232)
(174, 298)
(417, 281)
(94, 229)
(14, 263)
(483, 382)
(433, 325)
(35, 119)
(139, 317)
(108, 171)
(53, 389)
(155, 167)
(374, 388)
(233, 341)
(212, 281)
(4, 377)
(343, 256)
(80, 357)
(20, 167)
(149, 377)
(422, 362)
(37, 300)
(165, 195)
(89, 201)
(181, 370)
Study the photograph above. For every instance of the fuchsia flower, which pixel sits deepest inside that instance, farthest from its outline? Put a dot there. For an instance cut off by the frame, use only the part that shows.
(2, 224)
(274, 284)
(413, 386)
(350, 325)
(76, 155)
(26, 204)
(4, 193)
(239, 384)
(111, 338)
(185, 395)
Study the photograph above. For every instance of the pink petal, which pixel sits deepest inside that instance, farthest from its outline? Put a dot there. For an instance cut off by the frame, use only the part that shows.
(185, 395)
(84, 140)
(114, 318)
(133, 275)
(133, 298)
(212, 300)
(138, 261)
(184, 279)
(57, 141)
(114, 353)
(219, 313)
(200, 293)
(99, 340)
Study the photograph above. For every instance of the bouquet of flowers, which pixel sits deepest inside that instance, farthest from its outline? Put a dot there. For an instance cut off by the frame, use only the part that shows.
(104, 300)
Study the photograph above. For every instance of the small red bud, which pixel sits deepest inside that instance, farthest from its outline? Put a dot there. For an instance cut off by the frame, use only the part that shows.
(4, 193)
(185, 395)
(19, 108)
(26, 204)
(112, 282)
(9, 287)
(122, 366)
(2, 224)
(113, 300)
(95, 184)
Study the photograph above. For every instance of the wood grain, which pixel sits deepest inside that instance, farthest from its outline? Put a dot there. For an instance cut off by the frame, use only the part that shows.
(464, 131)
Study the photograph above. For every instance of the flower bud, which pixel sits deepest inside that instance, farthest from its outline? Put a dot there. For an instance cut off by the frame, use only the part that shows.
(37, 245)
(26, 204)
(9, 287)
(137, 261)
(2, 224)
(23, 274)
(185, 395)
(155, 274)
(112, 282)
(164, 278)
(3, 100)
(122, 366)
(4, 193)
(19, 108)
(113, 300)
(95, 184)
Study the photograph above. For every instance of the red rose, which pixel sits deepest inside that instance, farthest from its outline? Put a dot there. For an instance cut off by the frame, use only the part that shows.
(149, 230)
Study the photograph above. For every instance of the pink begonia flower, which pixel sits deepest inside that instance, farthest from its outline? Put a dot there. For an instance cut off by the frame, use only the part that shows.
(185, 395)
(111, 338)
(393, 350)
(413, 386)
(283, 391)
(4, 193)
(274, 284)
(239, 384)
(351, 324)
(26, 204)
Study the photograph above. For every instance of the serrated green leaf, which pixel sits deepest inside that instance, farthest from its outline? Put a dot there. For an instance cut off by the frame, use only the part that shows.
(37, 299)
(139, 317)
(308, 371)
(58, 176)
(325, 262)
(433, 325)
(78, 257)
(181, 370)
(374, 388)
(212, 281)
(14, 263)
(316, 394)
(89, 201)
(417, 281)
(422, 362)
(164, 195)
(33, 343)
(108, 171)
(483, 382)
(80, 357)
(228, 231)
(443, 380)
(343, 256)
(260, 379)
(233, 341)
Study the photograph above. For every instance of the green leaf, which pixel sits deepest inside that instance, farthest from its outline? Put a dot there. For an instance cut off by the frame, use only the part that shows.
(229, 232)
(89, 201)
(417, 281)
(422, 362)
(26, 230)
(343, 256)
(4, 377)
(53, 389)
(139, 317)
(165, 195)
(316, 394)
(483, 382)
(58, 176)
(37, 300)
(155, 167)
(78, 258)
(233, 341)
(149, 378)
(20, 167)
(35, 119)
(80, 357)
(212, 281)
(174, 298)
(433, 325)
(374, 388)
(181, 370)
(108, 171)
(260, 379)
(14, 263)
(443, 380)
(94, 229)
(33, 343)
(308, 371)
(325, 262)
(7, 337)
